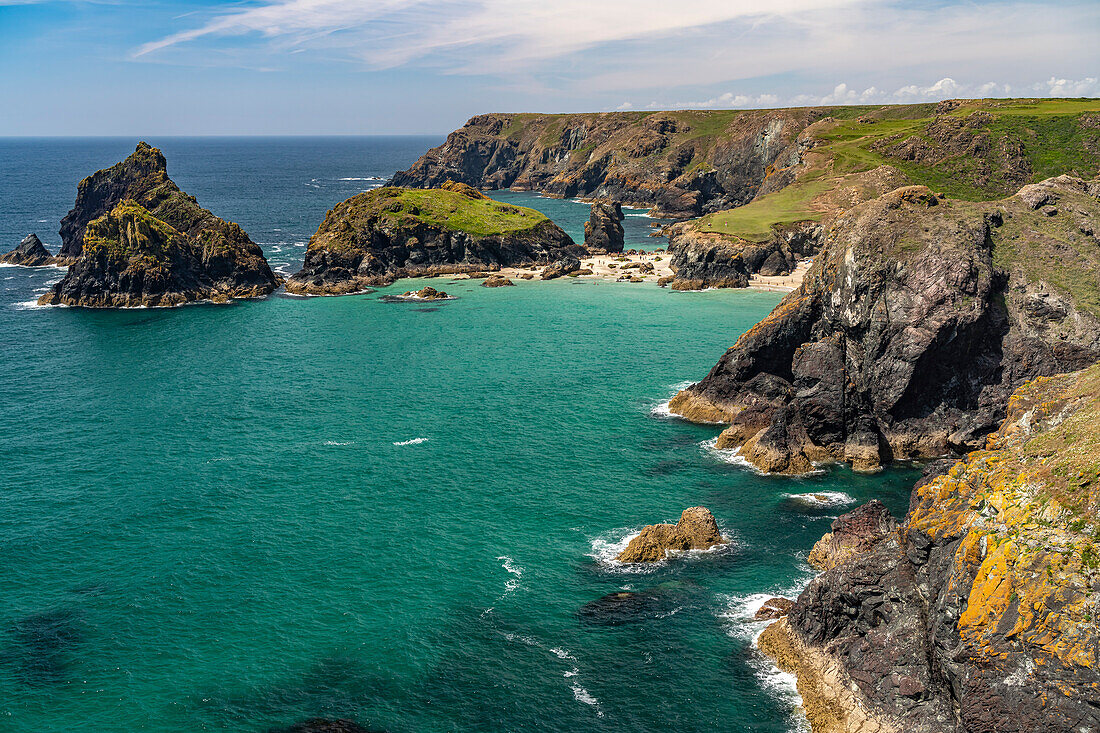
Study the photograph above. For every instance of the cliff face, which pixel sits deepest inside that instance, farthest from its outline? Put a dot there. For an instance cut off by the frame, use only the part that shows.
(131, 258)
(377, 237)
(980, 613)
(681, 163)
(916, 322)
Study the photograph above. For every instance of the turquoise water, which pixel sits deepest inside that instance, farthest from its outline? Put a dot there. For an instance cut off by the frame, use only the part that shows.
(236, 517)
(571, 214)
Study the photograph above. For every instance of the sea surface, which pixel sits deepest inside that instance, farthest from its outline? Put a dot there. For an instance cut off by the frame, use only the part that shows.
(233, 518)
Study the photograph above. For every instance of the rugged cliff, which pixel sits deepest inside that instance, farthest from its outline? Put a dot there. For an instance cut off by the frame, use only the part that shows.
(916, 322)
(680, 163)
(131, 258)
(980, 613)
(143, 179)
(379, 236)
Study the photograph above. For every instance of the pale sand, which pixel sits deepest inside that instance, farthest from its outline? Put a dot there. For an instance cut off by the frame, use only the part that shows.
(611, 267)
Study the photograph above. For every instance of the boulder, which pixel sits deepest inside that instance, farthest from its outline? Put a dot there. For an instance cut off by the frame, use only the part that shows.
(29, 253)
(428, 293)
(773, 608)
(562, 266)
(853, 534)
(603, 232)
(696, 530)
(497, 281)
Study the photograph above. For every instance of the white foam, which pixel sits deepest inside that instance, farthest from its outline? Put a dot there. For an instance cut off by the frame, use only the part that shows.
(515, 571)
(582, 695)
(728, 455)
(30, 305)
(661, 409)
(337, 442)
(579, 693)
(607, 546)
(412, 441)
(823, 498)
(367, 178)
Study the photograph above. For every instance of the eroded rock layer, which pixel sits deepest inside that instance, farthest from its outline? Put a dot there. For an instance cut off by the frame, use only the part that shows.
(916, 322)
(980, 613)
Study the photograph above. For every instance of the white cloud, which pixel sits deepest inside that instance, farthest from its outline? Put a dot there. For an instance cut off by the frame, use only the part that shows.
(1088, 87)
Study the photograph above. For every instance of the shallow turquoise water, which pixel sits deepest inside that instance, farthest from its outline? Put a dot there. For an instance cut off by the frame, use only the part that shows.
(236, 517)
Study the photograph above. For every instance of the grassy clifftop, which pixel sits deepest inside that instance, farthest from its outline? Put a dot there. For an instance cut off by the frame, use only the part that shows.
(460, 209)
(971, 149)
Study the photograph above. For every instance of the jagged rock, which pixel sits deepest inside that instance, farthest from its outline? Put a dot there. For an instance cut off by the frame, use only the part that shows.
(915, 323)
(131, 258)
(603, 232)
(497, 281)
(773, 608)
(597, 156)
(854, 533)
(562, 266)
(427, 293)
(202, 257)
(978, 616)
(29, 253)
(389, 233)
(696, 530)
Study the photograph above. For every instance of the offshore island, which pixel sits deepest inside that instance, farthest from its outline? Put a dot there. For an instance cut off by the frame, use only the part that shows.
(945, 308)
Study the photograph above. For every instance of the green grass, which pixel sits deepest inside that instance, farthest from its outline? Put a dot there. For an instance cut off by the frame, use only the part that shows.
(754, 221)
(435, 207)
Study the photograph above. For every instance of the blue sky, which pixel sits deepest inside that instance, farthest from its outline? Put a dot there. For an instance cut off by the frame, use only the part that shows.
(115, 67)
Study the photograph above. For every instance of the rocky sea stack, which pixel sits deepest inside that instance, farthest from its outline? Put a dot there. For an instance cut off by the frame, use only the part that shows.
(916, 322)
(29, 253)
(135, 239)
(979, 613)
(379, 236)
(696, 530)
(603, 232)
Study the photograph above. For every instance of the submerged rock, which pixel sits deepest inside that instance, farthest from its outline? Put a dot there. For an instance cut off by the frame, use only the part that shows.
(29, 253)
(379, 236)
(603, 232)
(625, 607)
(696, 530)
(325, 725)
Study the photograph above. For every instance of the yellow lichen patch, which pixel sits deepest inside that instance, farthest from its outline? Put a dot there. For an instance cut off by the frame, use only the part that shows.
(1024, 512)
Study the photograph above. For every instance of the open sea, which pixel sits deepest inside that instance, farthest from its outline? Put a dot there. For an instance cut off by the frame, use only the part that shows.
(238, 517)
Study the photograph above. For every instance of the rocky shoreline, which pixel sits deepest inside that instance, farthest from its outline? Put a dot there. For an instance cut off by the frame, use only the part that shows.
(975, 614)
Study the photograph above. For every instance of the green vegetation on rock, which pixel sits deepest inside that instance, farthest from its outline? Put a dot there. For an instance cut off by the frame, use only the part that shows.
(452, 210)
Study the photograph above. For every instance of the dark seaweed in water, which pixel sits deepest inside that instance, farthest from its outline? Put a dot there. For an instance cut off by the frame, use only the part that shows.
(324, 725)
(666, 467)
(624, 607)
(426, 310)
(41, 645)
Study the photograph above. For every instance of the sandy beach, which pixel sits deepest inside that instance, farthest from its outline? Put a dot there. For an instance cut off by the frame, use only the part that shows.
(629, 268)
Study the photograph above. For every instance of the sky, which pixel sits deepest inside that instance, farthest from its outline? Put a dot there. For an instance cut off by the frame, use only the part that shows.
(317, 67)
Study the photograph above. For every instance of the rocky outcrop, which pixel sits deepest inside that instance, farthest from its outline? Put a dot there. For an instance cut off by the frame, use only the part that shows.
(562, 266)
(773, 608)
(130, 258)
(497, 281)
(659, 160)
(603, 232)
(696, 530)
(707, 260)
(854, 533)
(379, 236)
(427, 293)
(325, 725)
(979, 614)
(29, 253)
(910, 331)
